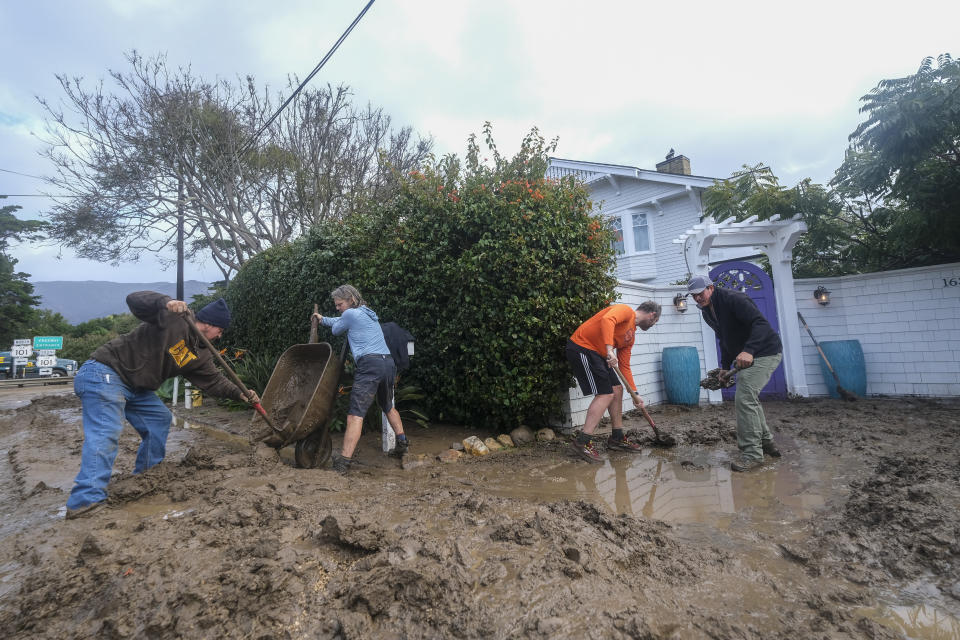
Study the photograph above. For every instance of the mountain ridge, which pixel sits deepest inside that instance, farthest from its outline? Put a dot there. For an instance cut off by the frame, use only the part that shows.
(82, 300)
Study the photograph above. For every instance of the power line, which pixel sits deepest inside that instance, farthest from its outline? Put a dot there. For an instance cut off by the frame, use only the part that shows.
(249, 143)
(25, 175)
(37, 195)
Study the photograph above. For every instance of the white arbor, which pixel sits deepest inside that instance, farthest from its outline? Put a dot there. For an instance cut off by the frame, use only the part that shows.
(712, 242)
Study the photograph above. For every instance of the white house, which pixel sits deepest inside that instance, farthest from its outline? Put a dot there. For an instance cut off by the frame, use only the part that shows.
(663, 234)
(647, 210)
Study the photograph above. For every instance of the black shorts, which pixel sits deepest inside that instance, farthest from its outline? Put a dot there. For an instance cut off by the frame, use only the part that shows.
(595, 376)
(373, 377)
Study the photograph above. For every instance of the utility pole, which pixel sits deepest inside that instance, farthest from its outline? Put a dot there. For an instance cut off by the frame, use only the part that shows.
(179, 239)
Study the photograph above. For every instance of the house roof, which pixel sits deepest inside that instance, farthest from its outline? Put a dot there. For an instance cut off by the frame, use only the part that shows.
(591, 172)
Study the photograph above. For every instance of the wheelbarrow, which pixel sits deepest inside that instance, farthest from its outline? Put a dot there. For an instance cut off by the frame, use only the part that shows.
(300, 398)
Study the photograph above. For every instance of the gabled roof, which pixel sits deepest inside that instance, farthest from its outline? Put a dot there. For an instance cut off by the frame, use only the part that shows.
(591, 172)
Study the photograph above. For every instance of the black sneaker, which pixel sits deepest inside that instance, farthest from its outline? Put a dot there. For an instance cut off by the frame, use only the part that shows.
(585, 451)
(623, 445)
(771, 449)
(746, 465)
(341, 465)
(400, 449)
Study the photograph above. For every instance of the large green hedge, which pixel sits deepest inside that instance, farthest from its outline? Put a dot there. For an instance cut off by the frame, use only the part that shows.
(272, 296)
(489, 264)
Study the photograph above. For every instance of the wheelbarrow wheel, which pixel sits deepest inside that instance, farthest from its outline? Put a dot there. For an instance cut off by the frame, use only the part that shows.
(314, 450)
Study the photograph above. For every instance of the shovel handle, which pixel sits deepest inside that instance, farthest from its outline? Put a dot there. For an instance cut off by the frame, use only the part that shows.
(817, 345)
(223, 363)
(634, 394)
(643, 409)
(646, 415)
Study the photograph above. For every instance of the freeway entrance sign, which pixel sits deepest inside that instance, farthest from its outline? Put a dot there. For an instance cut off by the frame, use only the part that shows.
(48, 342)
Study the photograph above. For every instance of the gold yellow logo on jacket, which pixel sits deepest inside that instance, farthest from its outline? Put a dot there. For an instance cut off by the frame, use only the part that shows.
(181, 354)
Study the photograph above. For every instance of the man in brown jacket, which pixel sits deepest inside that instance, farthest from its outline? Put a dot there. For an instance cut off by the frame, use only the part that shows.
(120, 379)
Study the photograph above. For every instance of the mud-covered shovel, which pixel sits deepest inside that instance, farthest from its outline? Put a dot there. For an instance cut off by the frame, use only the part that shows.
(223, 363)
(660, 438)
(844, 393)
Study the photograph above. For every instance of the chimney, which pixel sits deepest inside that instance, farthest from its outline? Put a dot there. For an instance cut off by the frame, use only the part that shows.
(679, 165)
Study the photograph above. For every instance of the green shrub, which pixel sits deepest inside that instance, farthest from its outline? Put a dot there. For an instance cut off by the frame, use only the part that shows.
(272, 296)
(489, 265)
(255, 370)
(492, 267)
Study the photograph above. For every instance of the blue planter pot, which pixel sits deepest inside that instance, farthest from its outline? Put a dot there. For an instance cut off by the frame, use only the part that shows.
(846, 356)
(681, 375)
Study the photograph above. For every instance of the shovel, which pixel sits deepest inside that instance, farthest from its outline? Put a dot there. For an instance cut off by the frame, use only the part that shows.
(844, 393)
(662, 439)
(223, 363)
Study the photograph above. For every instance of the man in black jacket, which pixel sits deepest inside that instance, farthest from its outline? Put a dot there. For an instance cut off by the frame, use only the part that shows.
(748, 340)
(120, 379)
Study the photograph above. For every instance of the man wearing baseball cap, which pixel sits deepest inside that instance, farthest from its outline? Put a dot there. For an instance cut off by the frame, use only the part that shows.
(120, 379)
(747, 340)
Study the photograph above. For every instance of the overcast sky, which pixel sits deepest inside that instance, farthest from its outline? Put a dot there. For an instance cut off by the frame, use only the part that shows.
(724, 83)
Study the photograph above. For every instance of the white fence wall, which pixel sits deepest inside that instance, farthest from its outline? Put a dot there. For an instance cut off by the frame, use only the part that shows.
(907, 322)
(673, 330)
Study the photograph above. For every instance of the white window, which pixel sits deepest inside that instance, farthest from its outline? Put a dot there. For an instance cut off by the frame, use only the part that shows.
(616, 226)
(641, 232)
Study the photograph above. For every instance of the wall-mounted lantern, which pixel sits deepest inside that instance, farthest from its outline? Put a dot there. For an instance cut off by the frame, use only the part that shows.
(822, 296)
(680, 302)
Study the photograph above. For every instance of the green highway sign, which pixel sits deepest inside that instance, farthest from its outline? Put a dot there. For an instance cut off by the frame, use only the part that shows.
(48, 342)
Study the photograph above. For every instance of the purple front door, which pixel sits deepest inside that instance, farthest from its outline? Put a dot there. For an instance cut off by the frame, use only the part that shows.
(753, 281)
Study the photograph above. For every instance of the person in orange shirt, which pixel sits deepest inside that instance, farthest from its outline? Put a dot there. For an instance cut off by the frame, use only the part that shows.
(602, 342)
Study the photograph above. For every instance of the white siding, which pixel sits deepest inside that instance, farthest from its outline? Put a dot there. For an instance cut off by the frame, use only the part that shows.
(665, 263)
(907, 322)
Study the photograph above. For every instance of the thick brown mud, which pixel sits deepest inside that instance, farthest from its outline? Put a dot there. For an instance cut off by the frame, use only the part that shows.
(853, 533)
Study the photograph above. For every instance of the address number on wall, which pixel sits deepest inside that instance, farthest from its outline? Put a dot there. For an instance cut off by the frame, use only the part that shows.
(951, 282)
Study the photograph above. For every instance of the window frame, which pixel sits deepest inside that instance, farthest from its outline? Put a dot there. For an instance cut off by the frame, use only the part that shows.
(617, 220)
(633, 228)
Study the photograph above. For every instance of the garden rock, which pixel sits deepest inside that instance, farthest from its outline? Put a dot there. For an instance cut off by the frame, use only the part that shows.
(546, 435)
(522, 435)
(493, 445)
(475, 446)
(412, 461)
(450, 455)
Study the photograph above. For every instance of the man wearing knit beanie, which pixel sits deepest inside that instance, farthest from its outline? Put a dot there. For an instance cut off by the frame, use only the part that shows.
(216, 313)
(120, 379)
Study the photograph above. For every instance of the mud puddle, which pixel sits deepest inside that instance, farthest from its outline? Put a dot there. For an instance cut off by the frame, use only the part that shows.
(685, 485)
(922, 621)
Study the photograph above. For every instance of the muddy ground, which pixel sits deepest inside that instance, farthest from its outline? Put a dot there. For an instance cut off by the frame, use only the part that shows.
(854, 533)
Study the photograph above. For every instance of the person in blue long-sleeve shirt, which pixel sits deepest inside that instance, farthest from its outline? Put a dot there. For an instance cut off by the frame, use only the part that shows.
(374, 374)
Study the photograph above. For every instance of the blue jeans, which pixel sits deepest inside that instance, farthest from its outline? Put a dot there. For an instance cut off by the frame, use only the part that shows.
(106, 401)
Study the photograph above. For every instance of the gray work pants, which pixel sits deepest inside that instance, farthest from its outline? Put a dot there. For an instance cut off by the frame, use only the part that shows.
(752, 430)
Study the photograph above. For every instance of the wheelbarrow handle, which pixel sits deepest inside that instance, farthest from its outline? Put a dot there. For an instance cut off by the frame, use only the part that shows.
(188, 316)
(314, 327)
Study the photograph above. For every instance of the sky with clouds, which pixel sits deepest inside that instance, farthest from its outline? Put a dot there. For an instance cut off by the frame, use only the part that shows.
(618, 82)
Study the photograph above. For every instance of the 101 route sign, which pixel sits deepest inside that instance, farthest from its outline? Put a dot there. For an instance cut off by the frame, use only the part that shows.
(21, 351)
